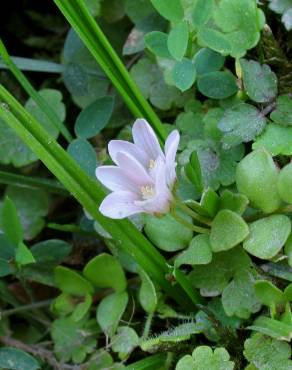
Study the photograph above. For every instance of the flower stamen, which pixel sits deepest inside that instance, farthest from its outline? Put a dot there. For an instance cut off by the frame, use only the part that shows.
(152, 164)
(147, 191)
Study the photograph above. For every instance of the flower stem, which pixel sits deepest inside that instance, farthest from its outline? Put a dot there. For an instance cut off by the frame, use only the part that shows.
(191, 213)
(197, 229)
(147, 326)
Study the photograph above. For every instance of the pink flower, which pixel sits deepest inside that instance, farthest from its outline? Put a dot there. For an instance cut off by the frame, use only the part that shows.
(144, 175)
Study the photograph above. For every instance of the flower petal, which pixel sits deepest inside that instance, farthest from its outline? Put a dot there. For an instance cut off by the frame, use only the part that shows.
(160, 203)
(116, 146)
(119, 205)
(133, 169)
(115, 179)
(144, 137)
(171, 146)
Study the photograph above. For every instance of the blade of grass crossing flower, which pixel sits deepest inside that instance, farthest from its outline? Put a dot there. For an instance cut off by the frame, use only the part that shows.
(40, 101)
(85, 190)
(84, 24)
(92, 187)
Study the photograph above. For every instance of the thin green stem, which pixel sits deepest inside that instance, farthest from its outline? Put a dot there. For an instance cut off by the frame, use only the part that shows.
(70, 228)
(51, 186)
(39, 100)
(191, 213)
(197, 229)
(147, 326)
(27, 307)
(187, 287)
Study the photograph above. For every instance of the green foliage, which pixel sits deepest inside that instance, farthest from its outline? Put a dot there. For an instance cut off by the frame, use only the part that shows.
(228, 230)
(105, 271)
(204, 358)
(227, 237)
(275, 139)
(32, 206)
(11, 225)
(125, 341)
(241, 123)
(73, 340)
(199, 252)
(54, 99)
(110, 311)
(169, 9)
(147, 294)
(259, 81)
(94, 117)
(256, 177)
(15, 359)
(177, 41)
(284, 182)
(217, 85)
(167, 234)
(282, 115)
(184, 74)
(84, 154)
(267, 353)
(267, 236)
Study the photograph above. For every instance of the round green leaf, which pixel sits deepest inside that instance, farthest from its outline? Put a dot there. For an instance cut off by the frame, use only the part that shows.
(84, 154)
(15, 359)
(54, 100)
(256, 177)
(228, 229)
(12, 149)
(276, 139)
(94, 117)
(217, 85)
(110, 311)
(71, 282)
(267, 236)
(185, 363)
(202, 12)
(10, 222)
(167, 234)
(105, 271)
(147, 293)
(285, 183)
(283, 112)
(125, 341)
(51, 252)
(241, 123)
(199, 252)
(214, 40)
(32, 206)
(259, 81)
(207, 60)
(177, 41)
(184, 74)
(156, 42)
(169, 9)
(268, 293)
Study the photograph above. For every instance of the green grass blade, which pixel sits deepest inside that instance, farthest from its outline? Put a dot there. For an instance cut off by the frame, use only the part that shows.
(34, 65)
(49, 185)
(90, 33)
(40, 101)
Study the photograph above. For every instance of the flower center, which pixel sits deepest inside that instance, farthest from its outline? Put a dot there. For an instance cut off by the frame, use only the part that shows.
(147, 191)
(151, 164)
